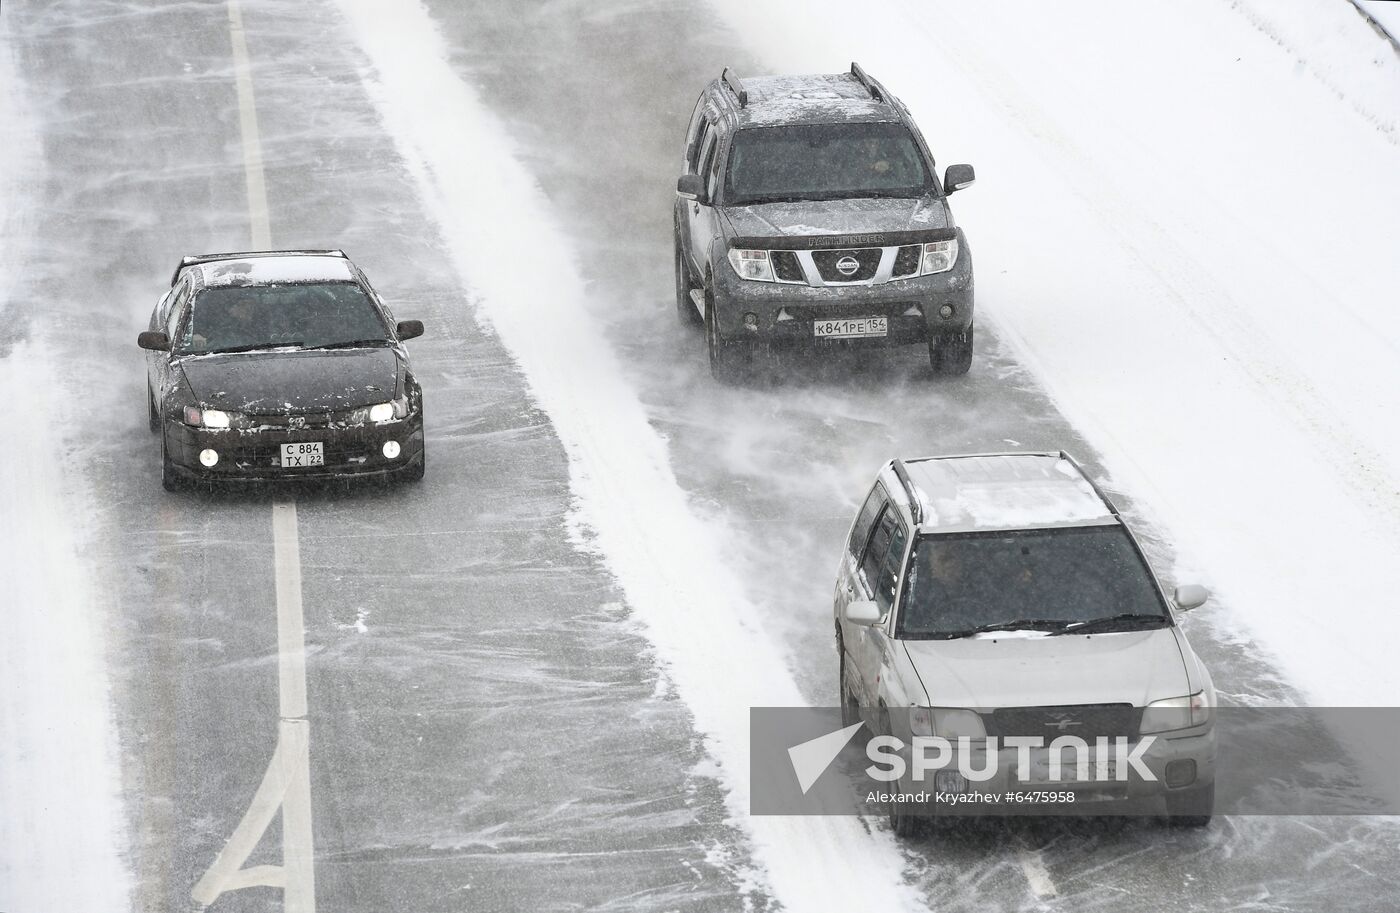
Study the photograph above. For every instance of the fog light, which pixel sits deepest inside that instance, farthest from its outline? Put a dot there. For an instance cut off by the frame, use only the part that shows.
(1181, 773)
(949, 781)
(751, 322)
(946, 311)
(209, 457)
(391, 450)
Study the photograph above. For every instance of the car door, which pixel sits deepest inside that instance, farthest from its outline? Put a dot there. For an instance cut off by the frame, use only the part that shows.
(868, 645)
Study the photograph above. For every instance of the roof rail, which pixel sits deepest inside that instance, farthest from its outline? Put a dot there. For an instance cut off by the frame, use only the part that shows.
(864, 79)
(735, 85)
(1113, 508)
(250, 254)
(916, 509)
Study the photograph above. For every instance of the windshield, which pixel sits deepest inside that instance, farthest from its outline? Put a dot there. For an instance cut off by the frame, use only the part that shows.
(823, 162)
(309, 315)
(961, 583)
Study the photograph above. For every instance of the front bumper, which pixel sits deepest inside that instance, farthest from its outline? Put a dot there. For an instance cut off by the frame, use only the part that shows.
(785, 312)
(255, 454)
(1006, 794)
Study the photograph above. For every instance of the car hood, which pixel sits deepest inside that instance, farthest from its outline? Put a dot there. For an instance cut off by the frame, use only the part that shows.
(837, 217)
(293, 381)
(1011, 670)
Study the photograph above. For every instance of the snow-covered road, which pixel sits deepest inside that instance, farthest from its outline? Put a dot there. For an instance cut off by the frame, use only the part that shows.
(530, 677)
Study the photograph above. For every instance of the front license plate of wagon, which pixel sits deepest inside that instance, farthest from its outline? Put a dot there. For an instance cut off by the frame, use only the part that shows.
(309, 453)
(851, 327)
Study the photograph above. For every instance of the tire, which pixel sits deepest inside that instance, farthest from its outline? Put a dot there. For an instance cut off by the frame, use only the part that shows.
(730, 360)
(152, 416)
(686, 312)
(901, 822)
(1192, 807)
(950, 354)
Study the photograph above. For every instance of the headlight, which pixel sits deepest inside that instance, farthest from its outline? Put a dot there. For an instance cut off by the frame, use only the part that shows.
(954, 724)
(752, 264)
(1177, 713)
(381, 412)
(939, 257)
(206, 418)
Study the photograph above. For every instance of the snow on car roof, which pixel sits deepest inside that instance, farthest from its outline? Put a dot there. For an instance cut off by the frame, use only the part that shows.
(272, 270)
(1004, 491)
(823, 98)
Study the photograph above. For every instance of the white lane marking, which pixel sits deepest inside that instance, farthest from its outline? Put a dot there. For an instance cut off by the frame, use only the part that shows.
(287, 782)
(248, 127)
(1037, 875)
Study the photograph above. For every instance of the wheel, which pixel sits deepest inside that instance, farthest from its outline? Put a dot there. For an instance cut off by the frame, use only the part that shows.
(169, 478)
(901, 822)
(951, 353)
(730, 360)
(152, 416)
(1192, 807)
(686, 311)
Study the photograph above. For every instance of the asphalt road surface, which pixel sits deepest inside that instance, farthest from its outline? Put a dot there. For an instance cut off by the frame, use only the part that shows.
(489, 730)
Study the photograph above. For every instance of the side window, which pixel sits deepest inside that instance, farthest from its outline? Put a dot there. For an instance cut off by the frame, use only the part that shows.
(888, 583)
(879, 545)
(707, 149)
(860, 533)
(694, 134)
(712, 169)
(177, 308)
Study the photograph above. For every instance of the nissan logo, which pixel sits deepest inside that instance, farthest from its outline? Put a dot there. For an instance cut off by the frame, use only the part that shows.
(848, 266)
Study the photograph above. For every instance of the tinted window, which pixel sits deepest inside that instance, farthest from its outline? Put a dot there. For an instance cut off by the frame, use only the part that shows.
(707, 150)
(827, 161)
(692, 135)
(860, 533)
(888, 583)
(878, 547)
(308, 315)
(960, 582)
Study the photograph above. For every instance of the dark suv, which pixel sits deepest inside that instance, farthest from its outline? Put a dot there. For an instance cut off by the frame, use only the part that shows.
(810, 214)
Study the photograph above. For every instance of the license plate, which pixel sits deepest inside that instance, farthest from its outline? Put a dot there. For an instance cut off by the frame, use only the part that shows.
(851, 328)
(1105, 770)
(309, 453)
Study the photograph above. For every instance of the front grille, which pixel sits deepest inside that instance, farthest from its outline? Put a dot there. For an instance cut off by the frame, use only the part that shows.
(867, 262)
(906, 262)
(786, 267)
(1086, 721)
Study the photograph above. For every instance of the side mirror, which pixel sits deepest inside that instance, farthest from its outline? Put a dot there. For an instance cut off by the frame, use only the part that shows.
(1190, 596)
(409, 329)
(863, 612)
(692, 187)
(154, 340)
(958, 177)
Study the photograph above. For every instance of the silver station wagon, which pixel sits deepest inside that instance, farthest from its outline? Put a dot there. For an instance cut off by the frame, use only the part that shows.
(1001, 598)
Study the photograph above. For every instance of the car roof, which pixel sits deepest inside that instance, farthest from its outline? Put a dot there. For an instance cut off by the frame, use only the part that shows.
(813, 99)
(1000, 491)
(266, 267)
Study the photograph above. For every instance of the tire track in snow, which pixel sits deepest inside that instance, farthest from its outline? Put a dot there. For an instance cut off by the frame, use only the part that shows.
(492, 215)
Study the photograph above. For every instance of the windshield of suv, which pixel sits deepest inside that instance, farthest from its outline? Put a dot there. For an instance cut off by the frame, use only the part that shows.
(1056, 580)
(310, 315)
(824, 162)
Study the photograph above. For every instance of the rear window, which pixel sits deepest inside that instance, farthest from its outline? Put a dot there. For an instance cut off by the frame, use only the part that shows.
(823, 162)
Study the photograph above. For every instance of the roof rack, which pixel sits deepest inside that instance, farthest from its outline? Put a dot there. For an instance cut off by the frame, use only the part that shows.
(1112, 508)
(247, 255)
(871, 86)
(916, 509)
(735, 85)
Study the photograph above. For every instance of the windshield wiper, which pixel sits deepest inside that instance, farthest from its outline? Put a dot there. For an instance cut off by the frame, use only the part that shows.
(1127, 621)
(759, 201)
(353, 344)
(1024, 624)
(251, 347)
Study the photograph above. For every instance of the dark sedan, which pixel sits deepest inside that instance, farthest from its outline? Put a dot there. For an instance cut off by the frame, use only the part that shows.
(280, 365)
